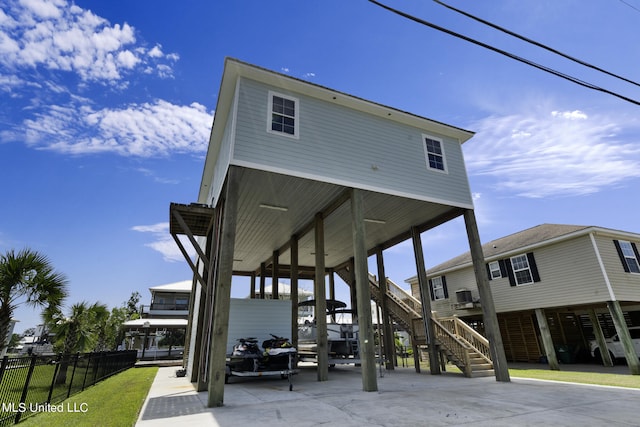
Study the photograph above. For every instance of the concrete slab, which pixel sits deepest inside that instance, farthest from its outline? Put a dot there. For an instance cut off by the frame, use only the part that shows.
(404, 398)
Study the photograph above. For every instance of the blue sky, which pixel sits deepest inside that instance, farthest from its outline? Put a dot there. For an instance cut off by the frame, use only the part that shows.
(106, 108)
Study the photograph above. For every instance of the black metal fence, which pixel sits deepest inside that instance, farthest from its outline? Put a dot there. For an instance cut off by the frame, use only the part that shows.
(35, 383)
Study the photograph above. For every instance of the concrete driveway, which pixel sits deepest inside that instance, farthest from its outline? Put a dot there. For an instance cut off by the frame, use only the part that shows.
(404, 398)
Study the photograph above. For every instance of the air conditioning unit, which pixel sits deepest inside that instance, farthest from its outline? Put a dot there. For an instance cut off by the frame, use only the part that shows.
(463, 296)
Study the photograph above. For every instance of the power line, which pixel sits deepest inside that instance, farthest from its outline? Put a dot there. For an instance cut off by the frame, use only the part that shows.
(533, 42)
(630, 5)
(507, 54)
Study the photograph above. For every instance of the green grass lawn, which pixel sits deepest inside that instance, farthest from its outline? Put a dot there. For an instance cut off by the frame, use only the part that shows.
(115, 401)
(631, 381)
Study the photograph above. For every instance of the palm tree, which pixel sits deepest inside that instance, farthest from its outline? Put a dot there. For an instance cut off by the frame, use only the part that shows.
(76, 333)
(27, 277)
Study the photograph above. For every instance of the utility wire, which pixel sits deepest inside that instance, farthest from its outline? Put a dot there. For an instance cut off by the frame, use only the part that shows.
(630, 5)
(533, 42)
(507, 54)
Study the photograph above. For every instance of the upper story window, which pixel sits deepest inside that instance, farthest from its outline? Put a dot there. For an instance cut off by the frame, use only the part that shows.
(283, 115)
(494, 270)
(438, 288)
(628, 253)
(521, 270)
(434, 153)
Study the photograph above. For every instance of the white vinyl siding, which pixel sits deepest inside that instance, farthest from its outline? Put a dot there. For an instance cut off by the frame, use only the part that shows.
(347, 147)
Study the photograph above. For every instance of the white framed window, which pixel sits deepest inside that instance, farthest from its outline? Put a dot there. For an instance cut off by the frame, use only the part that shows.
(629, 256)
(434, 153)
(494, 270)
(284, 116)
(521, 269)
(437, 286)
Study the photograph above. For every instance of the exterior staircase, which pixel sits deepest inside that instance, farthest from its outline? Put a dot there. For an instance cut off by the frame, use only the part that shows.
(458, 342)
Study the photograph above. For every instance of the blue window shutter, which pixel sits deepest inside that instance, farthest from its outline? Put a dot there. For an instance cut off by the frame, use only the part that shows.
(533, 267)
(444, 287)
(621, 255)
(488, 271)
(509, 268)
(431, 291)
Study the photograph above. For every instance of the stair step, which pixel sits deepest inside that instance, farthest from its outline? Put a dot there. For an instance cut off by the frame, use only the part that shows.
(483, 373)
(481, 366)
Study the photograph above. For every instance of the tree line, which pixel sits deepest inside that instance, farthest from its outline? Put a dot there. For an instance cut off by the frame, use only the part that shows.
(27, 277)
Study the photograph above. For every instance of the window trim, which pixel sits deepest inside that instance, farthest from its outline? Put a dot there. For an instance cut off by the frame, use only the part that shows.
(426, 153)
(442, 287)
(492, 270)
(528, 268)
(296, 117)
(626, 257)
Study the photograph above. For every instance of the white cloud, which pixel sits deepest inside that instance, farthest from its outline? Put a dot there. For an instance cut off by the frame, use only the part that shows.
(559, 153)
(163, 241)
(57, 35)
(144, 130)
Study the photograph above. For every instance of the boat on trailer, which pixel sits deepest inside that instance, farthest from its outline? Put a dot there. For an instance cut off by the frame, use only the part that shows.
(342, 335)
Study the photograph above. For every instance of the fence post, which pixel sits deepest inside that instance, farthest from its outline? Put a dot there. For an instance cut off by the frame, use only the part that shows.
(3, 367)
(86, 371)
(97, 366)
(25, 389)
(73, 374)
(53, 382)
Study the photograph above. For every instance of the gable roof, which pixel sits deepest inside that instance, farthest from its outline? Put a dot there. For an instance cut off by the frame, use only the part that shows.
(518, 242)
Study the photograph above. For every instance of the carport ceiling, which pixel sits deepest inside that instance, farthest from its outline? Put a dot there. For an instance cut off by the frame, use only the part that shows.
(273, 207)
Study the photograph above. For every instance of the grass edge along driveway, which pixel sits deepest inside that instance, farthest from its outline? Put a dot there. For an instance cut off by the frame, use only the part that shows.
(116, 401)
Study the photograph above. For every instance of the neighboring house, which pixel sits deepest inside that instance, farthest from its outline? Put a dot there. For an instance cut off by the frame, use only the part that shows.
(39, 343)
(301, 181)
(169, 301)
(168, 311)
(568, 275)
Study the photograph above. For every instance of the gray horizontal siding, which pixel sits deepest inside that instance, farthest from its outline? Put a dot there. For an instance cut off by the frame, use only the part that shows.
(626, 286)
(223, 159)
(569, 274)
(347, 146)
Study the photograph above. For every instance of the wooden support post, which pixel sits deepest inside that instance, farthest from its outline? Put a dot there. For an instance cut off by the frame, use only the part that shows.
(625, 338)
(263, 278)
(367, 348)
(332, 291)
(491, 327)
(353, 293)
(294, 290)
(223, 290)
(385, 322)
(203, 336)
(275, 276)
(416, 357)
(600, 339)
(320, 294)
(425, 300)
(252, 290)
(547, 341)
